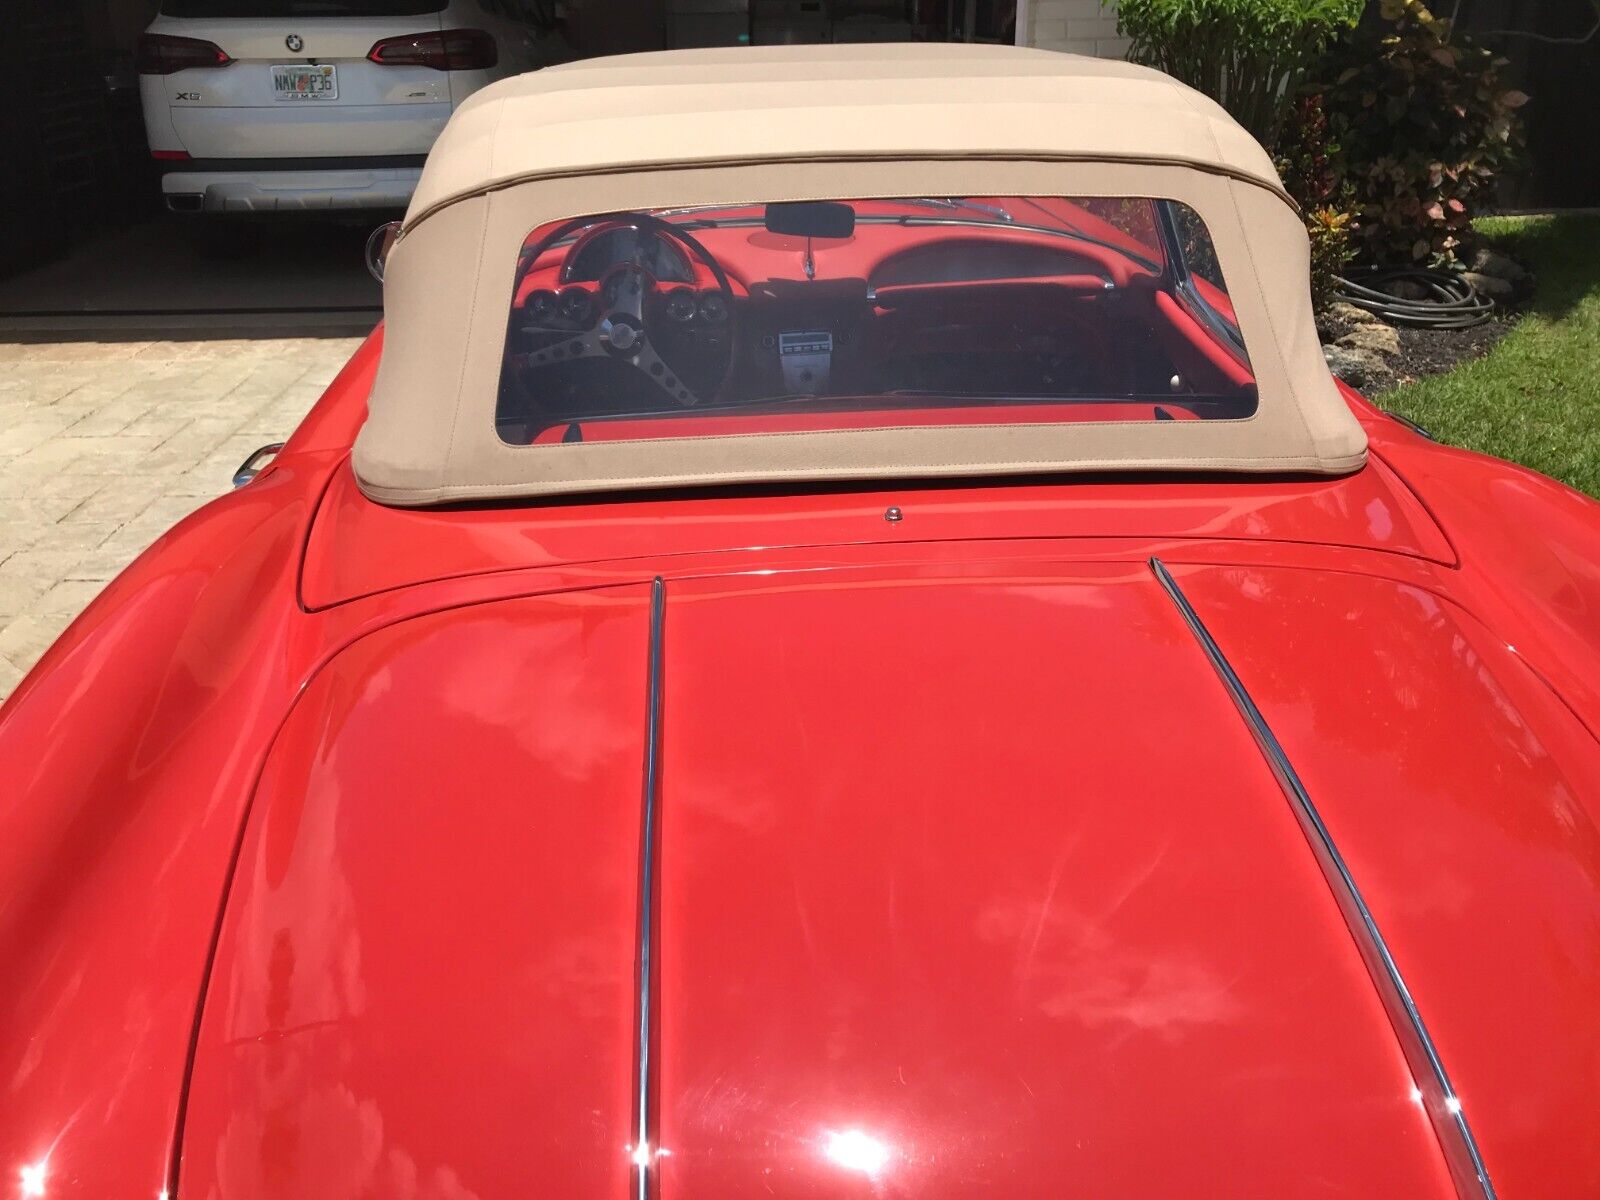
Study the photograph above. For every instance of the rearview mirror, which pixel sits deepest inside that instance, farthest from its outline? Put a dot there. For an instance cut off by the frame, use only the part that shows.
(811, 219)
(379, 243)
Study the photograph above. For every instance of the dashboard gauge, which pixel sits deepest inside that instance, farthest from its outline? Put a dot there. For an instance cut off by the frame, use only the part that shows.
(542, 306)
(713, 308)
(577, 305)
(681, 306)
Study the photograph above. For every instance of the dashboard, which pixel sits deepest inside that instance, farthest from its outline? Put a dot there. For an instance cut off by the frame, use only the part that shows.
(979, 260)
(624, 320)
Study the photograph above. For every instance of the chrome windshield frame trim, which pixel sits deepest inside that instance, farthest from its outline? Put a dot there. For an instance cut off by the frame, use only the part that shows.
(1438, 1094)
(641, 1151)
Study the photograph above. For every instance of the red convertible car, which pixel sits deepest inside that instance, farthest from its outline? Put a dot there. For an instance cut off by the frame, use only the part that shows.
(841, 642)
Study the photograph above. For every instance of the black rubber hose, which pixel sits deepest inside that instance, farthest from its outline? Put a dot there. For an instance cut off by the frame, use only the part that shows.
(1451, 302)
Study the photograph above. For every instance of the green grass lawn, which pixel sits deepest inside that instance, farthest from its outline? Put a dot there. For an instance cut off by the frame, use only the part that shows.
(1534, 398)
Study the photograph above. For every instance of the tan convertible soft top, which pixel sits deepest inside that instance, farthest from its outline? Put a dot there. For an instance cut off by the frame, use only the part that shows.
(746, 125)
(734, 106)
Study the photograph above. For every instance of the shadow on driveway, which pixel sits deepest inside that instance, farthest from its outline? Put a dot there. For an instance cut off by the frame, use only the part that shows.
(174, 278)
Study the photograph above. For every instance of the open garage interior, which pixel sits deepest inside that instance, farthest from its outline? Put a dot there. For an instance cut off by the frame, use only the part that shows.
(92, 248)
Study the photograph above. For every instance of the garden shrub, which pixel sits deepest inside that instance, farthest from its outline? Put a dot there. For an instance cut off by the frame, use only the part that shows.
(1329, 230)
(1424, 123)
(1312, 167)
(1248, 55)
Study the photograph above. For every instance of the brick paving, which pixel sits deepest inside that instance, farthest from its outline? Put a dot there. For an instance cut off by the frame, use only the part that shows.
(104, 446)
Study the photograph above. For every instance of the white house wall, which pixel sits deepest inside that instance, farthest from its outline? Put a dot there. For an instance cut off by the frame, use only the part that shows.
(1078, 26)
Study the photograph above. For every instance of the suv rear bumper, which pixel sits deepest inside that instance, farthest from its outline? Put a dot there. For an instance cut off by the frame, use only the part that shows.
(291, 185)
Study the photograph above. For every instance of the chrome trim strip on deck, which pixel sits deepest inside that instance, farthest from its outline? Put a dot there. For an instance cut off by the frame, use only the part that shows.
(1444, 1108)
(641, 1151)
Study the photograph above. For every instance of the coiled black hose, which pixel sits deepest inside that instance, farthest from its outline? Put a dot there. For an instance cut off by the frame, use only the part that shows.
(1451, 302)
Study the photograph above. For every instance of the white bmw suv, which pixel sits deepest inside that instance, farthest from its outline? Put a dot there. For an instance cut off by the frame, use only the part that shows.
(320, 105)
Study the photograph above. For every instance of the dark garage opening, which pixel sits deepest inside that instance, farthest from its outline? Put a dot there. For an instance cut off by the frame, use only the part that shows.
(87, 247)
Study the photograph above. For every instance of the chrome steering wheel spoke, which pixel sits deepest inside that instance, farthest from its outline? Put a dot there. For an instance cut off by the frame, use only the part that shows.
(621, 335)
(664, 377)
(623, 291)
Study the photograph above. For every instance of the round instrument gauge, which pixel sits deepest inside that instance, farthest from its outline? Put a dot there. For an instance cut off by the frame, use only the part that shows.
(681, 306)
(713, 307)
(577, 305)
(541, 306)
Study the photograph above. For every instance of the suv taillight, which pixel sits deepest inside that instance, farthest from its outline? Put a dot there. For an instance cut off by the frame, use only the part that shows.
(448, 50)
(162, 54)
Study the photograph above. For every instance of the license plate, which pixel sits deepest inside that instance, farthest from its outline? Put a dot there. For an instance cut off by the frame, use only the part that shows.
(305, 83)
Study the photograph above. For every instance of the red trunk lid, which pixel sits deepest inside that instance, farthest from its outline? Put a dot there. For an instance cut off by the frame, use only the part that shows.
(967, 886)
(980, 888)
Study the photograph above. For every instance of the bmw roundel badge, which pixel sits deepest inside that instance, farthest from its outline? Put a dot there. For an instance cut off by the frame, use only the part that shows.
(295, 42)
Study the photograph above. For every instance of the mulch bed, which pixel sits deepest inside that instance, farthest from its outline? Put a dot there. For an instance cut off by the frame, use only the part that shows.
(1435, 351)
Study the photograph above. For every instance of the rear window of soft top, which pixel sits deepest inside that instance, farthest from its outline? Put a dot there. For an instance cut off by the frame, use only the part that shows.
(891, 312)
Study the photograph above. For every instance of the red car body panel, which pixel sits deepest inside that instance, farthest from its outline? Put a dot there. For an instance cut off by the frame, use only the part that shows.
(358, 548)
(859, 716)
(1456, 782)
(961, 939)
(824, 969)
(136, 742)
(387, 887)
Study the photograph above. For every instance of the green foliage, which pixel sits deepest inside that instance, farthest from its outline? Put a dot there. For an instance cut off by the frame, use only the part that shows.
(1310, 162)
(1533, 398)
(1248, 55)
(1425, 123)
(1313, 172)
(1329, 230)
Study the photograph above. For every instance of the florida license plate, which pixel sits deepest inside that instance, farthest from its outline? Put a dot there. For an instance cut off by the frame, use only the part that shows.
(305, 83)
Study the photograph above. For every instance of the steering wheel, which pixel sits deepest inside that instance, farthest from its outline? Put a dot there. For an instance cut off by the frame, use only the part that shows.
(623, 331)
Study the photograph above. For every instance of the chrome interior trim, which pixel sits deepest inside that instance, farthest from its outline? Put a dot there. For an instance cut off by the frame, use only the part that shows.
(641, 1150)
(1444, 1107)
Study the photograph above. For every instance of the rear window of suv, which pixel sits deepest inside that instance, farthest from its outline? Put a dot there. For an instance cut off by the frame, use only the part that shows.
(300, 8)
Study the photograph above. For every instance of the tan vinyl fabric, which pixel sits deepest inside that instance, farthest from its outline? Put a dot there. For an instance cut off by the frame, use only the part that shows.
(786, 123)
(742, 105)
